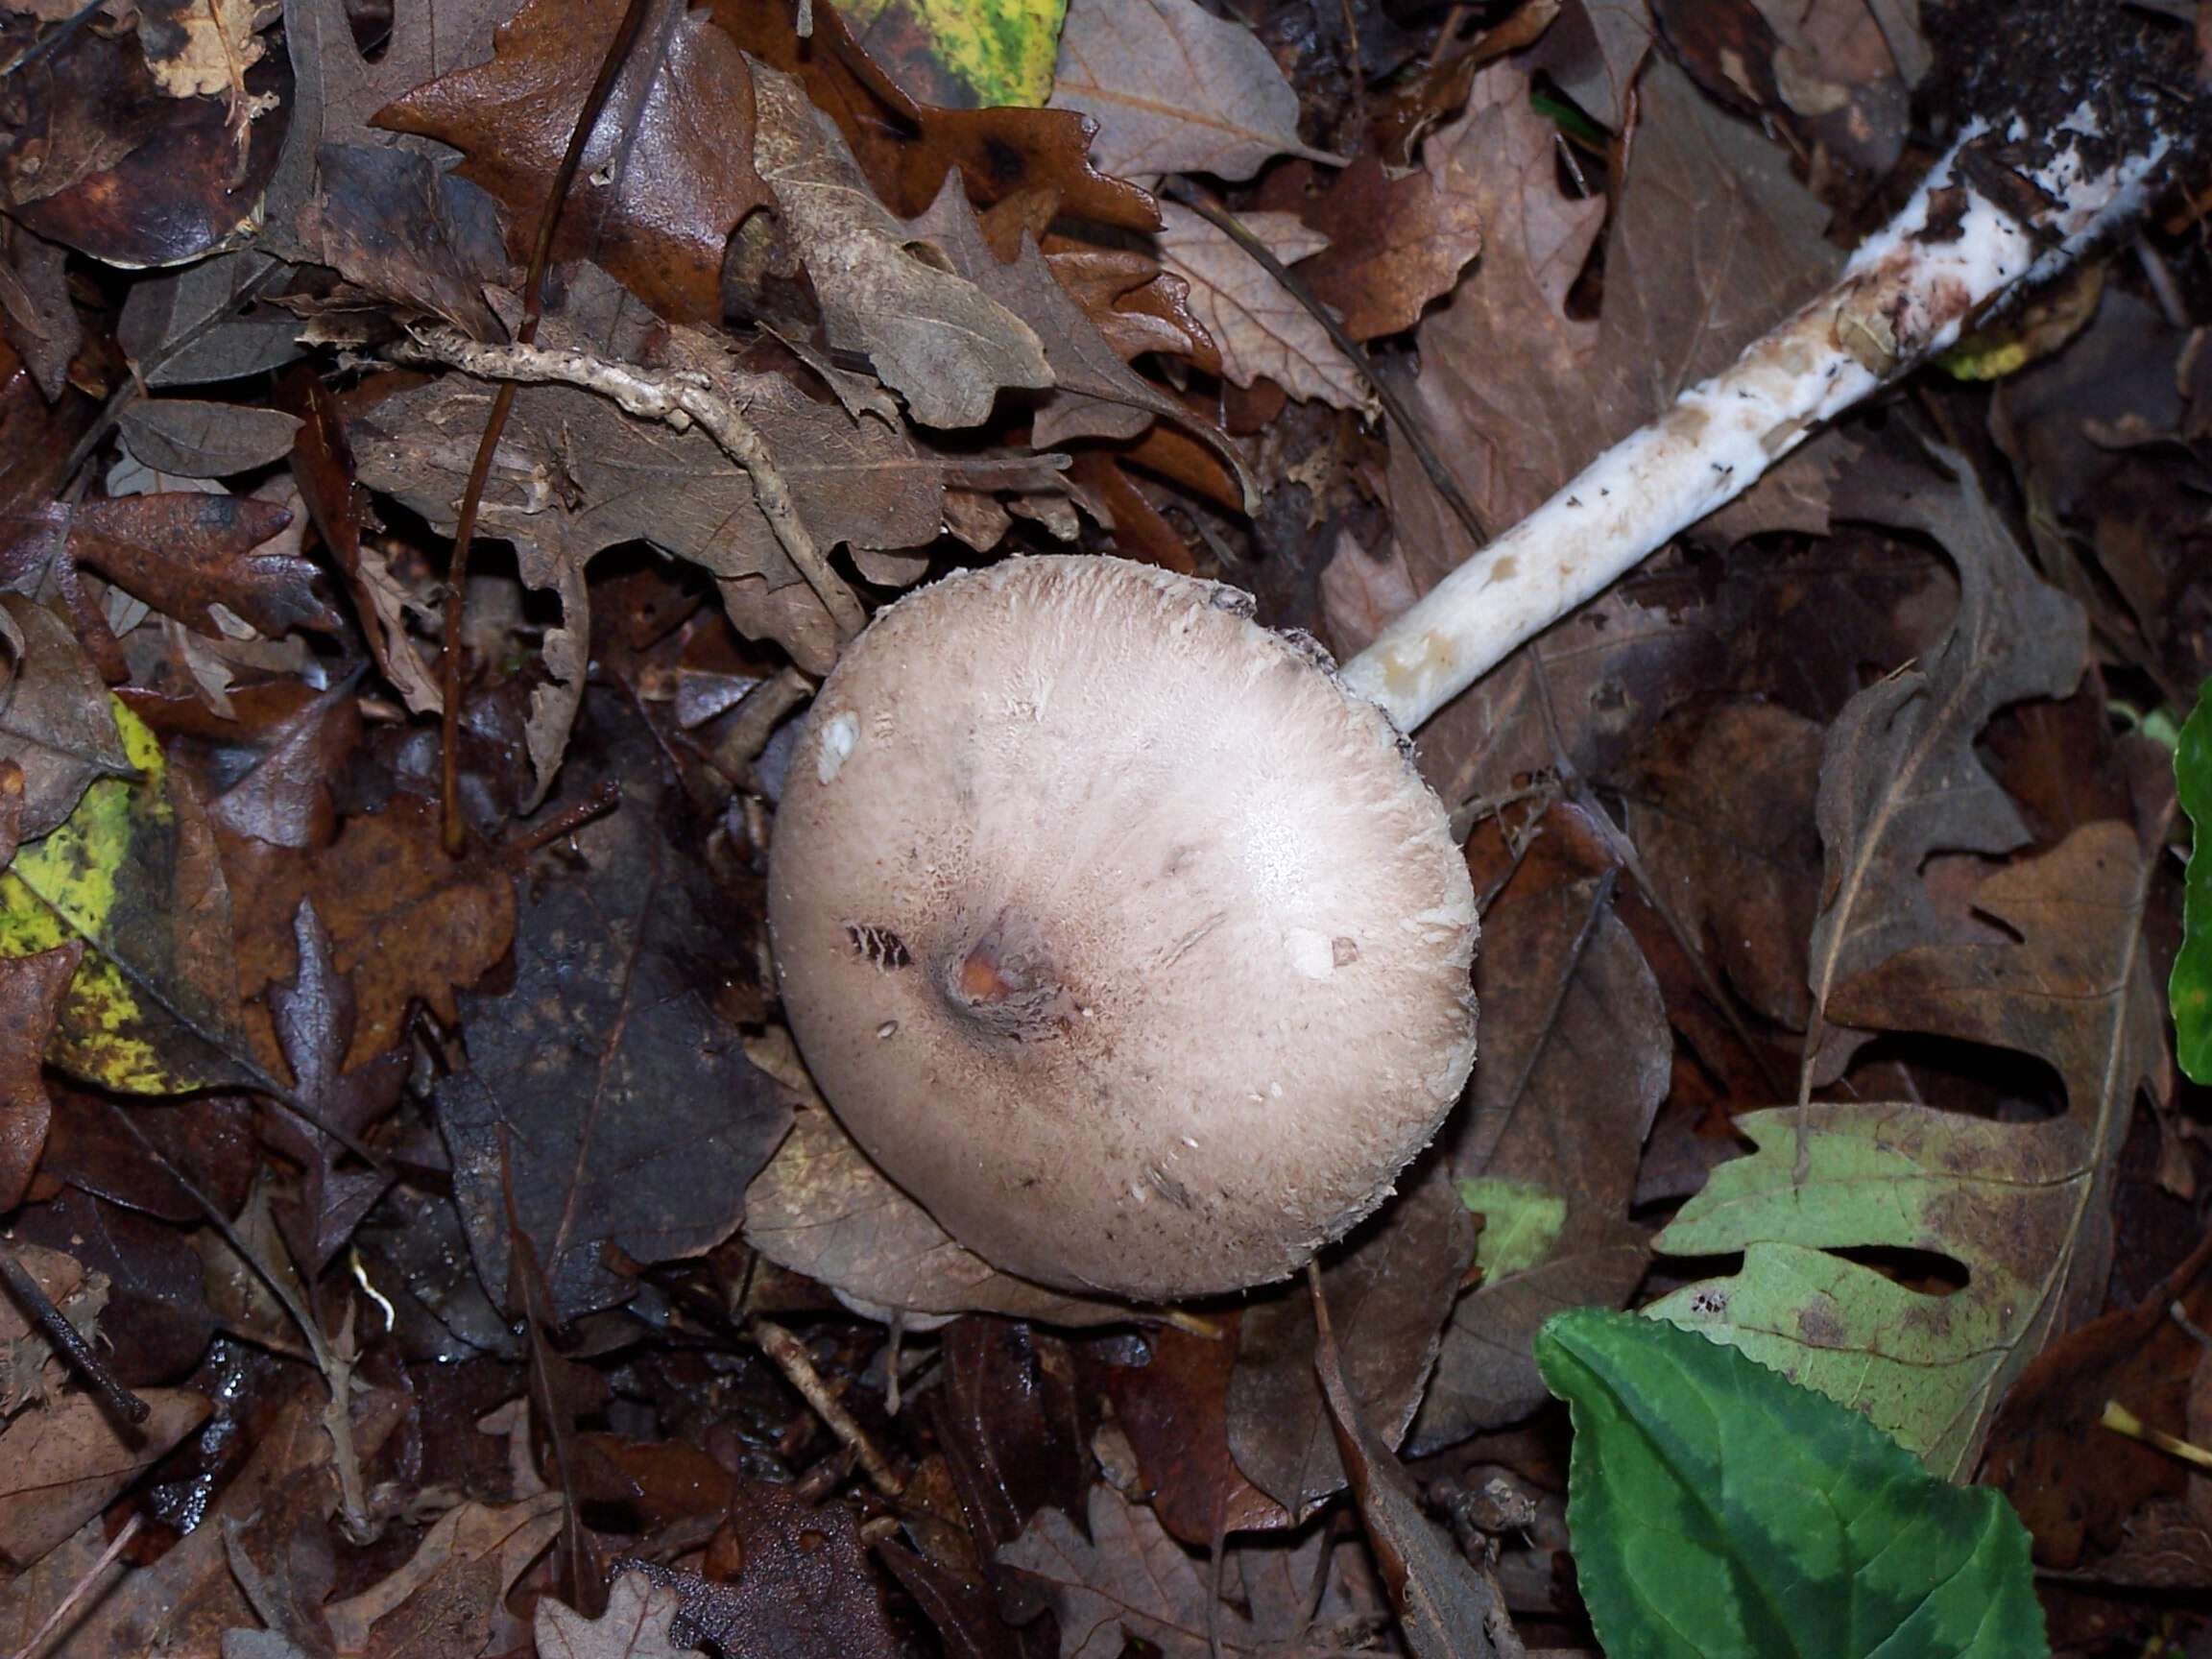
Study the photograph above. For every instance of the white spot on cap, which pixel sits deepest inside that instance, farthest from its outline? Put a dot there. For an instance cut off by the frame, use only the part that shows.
(839, 738)
(1311, 954)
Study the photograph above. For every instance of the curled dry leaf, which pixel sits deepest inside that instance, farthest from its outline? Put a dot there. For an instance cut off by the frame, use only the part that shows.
(1261, 327)
(935, 338)
(1175, 89)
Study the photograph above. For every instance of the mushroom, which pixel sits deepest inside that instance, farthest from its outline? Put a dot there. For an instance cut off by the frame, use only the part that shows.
(1118, 932)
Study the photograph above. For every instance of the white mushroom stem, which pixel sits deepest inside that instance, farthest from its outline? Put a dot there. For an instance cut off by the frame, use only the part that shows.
(1908, 293)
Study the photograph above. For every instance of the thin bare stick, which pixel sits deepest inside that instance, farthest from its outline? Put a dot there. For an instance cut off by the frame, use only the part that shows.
(798, 1367)
(80, 1354)
(1908, 293)
(455, 830)
(80, 1589)
(1405, 423)
(681, 400)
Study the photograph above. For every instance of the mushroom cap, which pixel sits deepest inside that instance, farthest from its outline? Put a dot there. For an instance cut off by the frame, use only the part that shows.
(1117, 930)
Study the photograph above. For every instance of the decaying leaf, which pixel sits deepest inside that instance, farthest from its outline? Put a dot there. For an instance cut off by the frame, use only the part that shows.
(636, 1625)
(2024, 1208)
(31, 989)
(1574, 1069)
(182, 551)
(667, 172)
(934, 337)
(1175, 89)
(1900, 779)
(1390, 1294)
(56, 722)
(606, 1099)
(62, 1461)
(134, 874)
(1262, 328)
(406, 923)
(1395, 242)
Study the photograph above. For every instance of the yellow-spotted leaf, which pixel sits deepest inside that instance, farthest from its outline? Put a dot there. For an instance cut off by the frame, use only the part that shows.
(964, 54)
(132, 873)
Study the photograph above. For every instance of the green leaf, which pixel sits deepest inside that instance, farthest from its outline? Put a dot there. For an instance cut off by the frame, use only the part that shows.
(2189, 991)
(963, 53)
(2023, 1207)
(132, 871)
(1721, 1511)
(1520, 1222)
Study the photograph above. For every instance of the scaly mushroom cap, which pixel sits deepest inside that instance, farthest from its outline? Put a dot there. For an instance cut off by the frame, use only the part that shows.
(1117, 932)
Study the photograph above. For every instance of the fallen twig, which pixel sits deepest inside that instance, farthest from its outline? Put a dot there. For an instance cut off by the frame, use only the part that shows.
(681, 400)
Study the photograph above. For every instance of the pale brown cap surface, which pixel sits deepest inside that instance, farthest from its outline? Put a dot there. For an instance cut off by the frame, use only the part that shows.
(1117, 932)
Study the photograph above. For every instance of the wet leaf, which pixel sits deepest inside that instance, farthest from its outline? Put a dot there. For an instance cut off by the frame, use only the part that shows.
(1575, 1065)
(1389, 1295)
(132, 874)
(406, 923)
(283, 797)
(400, 228)
(1716, 1510)
(182, 551)
(56, 722)
(2023, 1207)
(1174, 1410)
(607, 1098)
(668, 172)
(1175, 89)
(207, 440)
(933, 337)
(31, 989)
